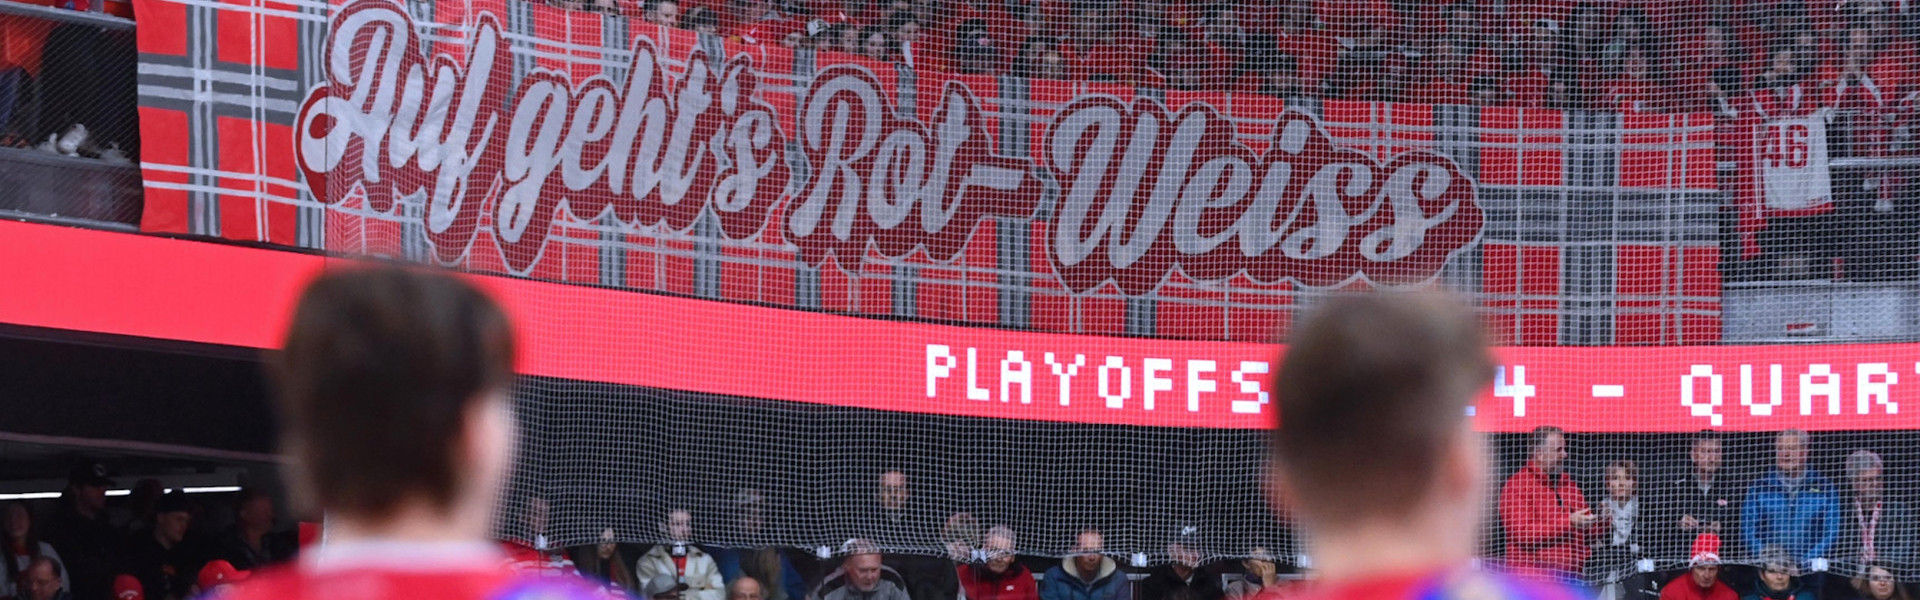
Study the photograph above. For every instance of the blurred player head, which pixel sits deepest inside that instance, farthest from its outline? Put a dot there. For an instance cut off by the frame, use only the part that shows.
(1374, 450)
(394, 387)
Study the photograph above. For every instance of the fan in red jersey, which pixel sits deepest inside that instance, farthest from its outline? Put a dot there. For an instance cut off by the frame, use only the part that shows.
(394, 393)
(1375, 454)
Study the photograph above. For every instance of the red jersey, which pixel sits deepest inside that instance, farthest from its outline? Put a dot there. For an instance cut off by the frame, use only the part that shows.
(1441, 585)
(377, 570)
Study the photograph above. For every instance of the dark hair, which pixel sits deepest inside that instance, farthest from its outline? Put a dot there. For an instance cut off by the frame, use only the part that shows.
(1708, 435)
(379, 370)
(7, 564)
(1371, 391)
(1538, 437)
(1632, 469)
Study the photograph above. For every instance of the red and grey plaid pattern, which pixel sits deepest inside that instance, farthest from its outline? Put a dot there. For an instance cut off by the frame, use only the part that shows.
(1601, 228)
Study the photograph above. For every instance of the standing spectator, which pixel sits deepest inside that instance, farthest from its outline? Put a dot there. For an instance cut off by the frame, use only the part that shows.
(665, 13)
(1546, 517)
(903, 527)
(974, 52)
(865, 576)
(1366, 70)
(1702, 580)
(875, 43)
(42, 581)
(1086, 574)
(682, 560)
(1874, 528)
(531, 551)
(1182, 577)
(1630, 89)
(19, 547)
(1000, 577)
(1793, 507)
(1708, 79)
(1702, 501)
(1779, 578)
(605, 563)
(252, 543)
(160, 559)
(1877, 583)
(752, 556)
(81, 532)
(1446, 80)
(1622, 542)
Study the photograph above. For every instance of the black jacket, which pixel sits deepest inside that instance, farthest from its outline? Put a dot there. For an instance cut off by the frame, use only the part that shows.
(1164, 584)
(1681, 497)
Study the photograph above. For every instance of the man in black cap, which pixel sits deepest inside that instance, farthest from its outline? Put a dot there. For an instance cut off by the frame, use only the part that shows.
(81, 532)
(1182, 577)
(160, 558)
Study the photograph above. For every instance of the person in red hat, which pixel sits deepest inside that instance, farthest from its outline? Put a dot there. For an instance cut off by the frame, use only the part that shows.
(394, 386)
(218, 573)
(127, 587)
(1702, 582)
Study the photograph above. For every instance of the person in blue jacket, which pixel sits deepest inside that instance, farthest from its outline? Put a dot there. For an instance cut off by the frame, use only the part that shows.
(1792, 507)
(1087, 575)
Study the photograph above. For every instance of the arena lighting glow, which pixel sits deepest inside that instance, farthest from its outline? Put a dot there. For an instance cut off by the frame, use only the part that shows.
(216, 489)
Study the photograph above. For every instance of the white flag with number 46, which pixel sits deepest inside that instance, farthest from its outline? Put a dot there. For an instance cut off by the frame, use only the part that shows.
(1793, 165)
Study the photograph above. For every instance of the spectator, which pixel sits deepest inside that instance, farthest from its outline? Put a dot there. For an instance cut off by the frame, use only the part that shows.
(42, 581)
(1793, 507)
(216, 574)
(864, 574)
(701, 19)
(1182, 573)
(745, 588)
(1702, 501)
(904, 526)
(665, 13)
(663, 587)
(973, 49)
(1262, 580)
(127, 587)
(1708, 79)
(908, 31)
(752, 557)
(1777, 92)
(20, 546)
(1086, 574)
(999, 577)
(1631, 89)
(160, 559)
(682, 560)
(1779, 577)
(1546, 517)
(606, 563)
(252, 543)
(1446, 80)
(876, 44)
(1874, 528)
(1877, 583)
(81, 532)
(1702, 581)
(1622, 541)
(535, 553)
(139, 507)
(1365, 69)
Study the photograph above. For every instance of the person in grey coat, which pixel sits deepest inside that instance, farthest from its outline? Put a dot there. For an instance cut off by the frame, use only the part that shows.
(1873, 527)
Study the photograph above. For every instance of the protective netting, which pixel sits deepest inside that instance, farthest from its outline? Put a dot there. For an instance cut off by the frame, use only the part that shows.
(1678, 216)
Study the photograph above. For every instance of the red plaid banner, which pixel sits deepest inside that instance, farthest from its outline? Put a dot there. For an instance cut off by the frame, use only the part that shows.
(525, 139)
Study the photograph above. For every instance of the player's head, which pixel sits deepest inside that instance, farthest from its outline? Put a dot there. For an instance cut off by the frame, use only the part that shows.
(1373, 391)
(394, 385)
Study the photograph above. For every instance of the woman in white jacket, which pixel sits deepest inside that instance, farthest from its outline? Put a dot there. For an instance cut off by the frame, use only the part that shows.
(683, 561)
(19, 545)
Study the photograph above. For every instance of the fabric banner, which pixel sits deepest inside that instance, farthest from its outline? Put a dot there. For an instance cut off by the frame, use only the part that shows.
(523, 139)
(1793, 166)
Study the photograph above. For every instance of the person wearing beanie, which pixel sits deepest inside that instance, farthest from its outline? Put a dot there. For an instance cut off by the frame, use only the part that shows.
(1779, 578)
(1702, 581)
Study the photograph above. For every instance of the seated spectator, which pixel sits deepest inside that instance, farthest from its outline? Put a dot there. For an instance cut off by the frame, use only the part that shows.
(42, 581)
(252, 543)
(863, 576)
(1623, 542)
(1702, 501)
(745, 588)
(681, 560)
(1877, 583)
(1779, 578)
(20, 545)
(1086, 574)
(1702, 580)
(1793, 508)
(1547, 519)
(160, 559)
(1261, 580)
(999, 576)
(605, 563)
(753, 557)
(1182, 577)
(1874, 527)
